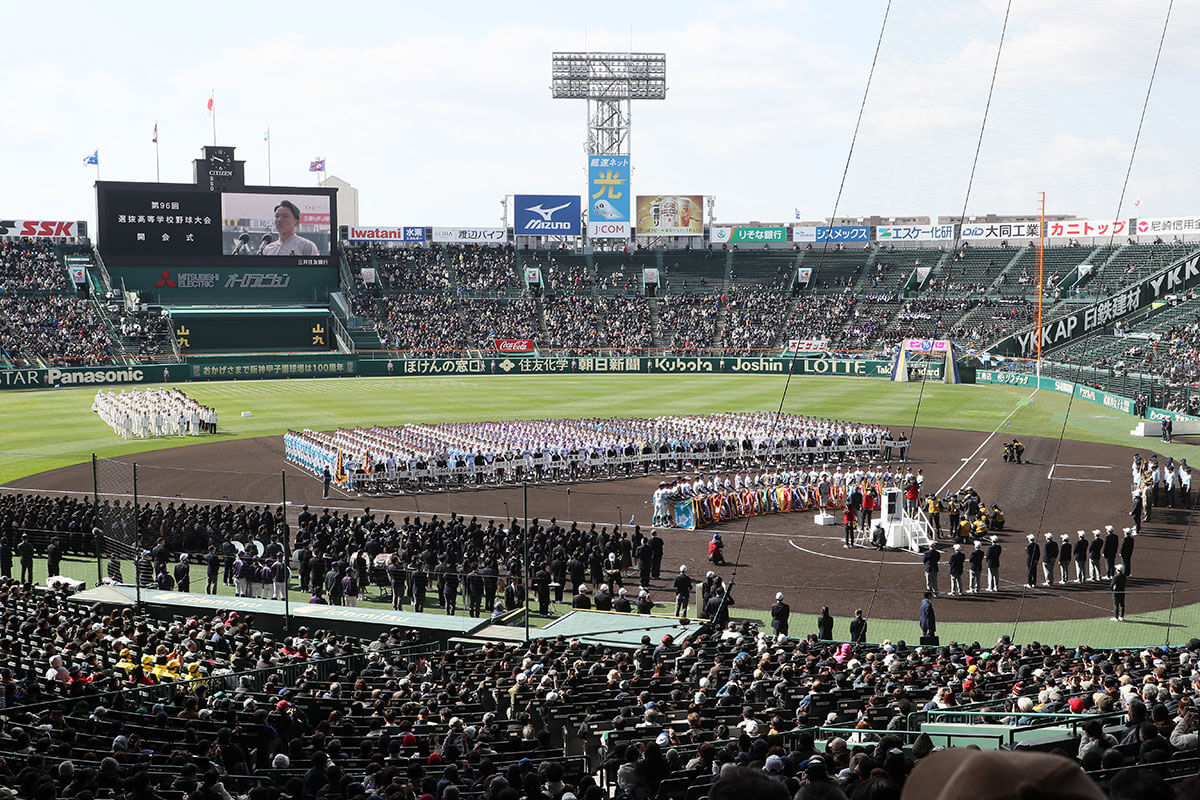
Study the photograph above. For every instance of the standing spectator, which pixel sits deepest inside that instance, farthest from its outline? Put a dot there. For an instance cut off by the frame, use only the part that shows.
(1118, 593)
(779, 615)
(858, 627)
(927, 617)
(683, 591)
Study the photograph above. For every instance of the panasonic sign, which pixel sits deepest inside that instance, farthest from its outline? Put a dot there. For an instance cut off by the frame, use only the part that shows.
(546, 215)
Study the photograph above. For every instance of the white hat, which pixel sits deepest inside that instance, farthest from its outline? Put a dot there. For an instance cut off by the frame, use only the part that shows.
(978, 543)
(958, 547)
(1120, 567)
(710, 574)
(643, 593)
(604, 587)
(1066, 537)
(779, 595)
(1031, 537)
(1049, 536)
(1081, 533)
(995, 539)
(1108, 527)
(683, 567)
(623, 591)
(582, 588)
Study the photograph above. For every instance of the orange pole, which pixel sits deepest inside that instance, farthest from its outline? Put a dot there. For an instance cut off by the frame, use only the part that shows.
(1041, 254)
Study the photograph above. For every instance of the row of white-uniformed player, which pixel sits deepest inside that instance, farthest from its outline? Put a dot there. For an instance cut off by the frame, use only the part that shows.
(155, 413)
(682, 489)
(1147, 471)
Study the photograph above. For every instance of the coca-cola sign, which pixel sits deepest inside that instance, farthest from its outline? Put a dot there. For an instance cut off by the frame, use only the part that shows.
(515, 345)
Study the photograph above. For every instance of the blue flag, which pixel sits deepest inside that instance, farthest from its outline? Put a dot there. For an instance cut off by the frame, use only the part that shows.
(92, 160)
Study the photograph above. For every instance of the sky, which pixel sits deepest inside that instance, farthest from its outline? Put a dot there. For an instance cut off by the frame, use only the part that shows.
(437, 111)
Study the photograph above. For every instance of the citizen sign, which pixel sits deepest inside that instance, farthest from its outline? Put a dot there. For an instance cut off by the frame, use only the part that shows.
(515, 345)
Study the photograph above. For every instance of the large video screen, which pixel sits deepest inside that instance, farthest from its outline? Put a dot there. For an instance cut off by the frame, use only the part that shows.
(158, 224)
(275, 224)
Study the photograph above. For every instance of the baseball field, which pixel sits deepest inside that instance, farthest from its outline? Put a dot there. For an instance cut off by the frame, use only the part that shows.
(1078, 479)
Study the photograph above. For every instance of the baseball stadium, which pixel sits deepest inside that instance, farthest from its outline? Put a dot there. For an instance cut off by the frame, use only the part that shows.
(618, 498)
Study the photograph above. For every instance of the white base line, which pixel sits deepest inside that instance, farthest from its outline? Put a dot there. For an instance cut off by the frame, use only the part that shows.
(1083, 480)
(970, 478)
(982, 445)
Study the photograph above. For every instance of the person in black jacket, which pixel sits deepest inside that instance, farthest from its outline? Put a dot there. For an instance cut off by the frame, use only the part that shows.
(927, 618)
(1049, 558)
(1112, 546)
(992, 556)
(1135, 511)
(780, 612)
(1095, 551)
(858, 627)
(53, 558)
(621, 604)
(1118, 593)
(1127, 552)
(683, 591)
(930, 559)
(956, 562)
(1031, 561)
(824, 624)
(25, 553)
(1081, 556)
(183, 574)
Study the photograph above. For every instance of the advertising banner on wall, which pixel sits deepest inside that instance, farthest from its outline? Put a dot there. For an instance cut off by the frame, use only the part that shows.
(39, 228)
(1000, 231)
(914, 233)
(608, 197)
(1085, 228)
(407, 233)
(747, 234)
(470, 235)
(1184, 274)
(670, 215)
(1165, 226)
(836, 233)
(546, 215)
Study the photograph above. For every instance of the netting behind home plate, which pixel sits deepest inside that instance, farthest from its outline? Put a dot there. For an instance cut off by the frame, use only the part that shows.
(115, 493)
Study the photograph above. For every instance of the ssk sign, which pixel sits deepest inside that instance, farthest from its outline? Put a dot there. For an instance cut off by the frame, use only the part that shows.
(38, 228)
(515, 345)
(546, 215)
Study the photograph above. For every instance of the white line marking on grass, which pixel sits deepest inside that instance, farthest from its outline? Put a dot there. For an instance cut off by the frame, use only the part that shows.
(1083, 480)
(1084, 466)
(983, 444)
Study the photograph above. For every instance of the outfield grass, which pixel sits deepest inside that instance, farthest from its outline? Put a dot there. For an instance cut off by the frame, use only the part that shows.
(43, 430)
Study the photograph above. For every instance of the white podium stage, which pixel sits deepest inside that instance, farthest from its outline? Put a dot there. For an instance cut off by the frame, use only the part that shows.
(901, 532)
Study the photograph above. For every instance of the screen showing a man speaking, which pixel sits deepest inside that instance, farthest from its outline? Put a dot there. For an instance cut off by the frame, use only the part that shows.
(165, 224)
(275, 225)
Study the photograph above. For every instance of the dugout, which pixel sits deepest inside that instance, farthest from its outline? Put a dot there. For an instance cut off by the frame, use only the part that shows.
(232, 329)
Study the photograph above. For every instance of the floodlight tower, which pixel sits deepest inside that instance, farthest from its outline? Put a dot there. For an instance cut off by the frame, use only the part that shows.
(609, 82)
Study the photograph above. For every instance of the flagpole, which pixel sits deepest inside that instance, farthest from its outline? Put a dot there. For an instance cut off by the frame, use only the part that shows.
(157, 177)
(212, 99)
(97, 151)
(268, 155)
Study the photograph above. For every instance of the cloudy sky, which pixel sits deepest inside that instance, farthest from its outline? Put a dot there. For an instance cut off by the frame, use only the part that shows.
(436, 111)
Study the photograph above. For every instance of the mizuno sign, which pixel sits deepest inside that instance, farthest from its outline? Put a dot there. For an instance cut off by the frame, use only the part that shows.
(546, 215)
